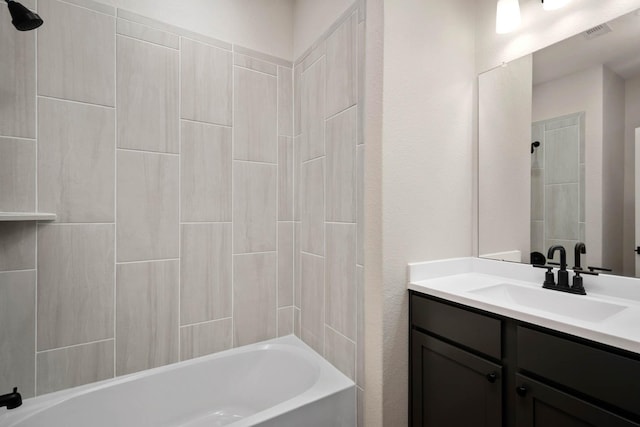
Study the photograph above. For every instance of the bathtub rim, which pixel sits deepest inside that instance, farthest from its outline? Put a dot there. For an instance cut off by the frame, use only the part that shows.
(329, 381)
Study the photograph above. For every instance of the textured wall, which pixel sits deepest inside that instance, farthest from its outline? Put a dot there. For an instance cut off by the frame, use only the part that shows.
(168, 158)
(329, 160)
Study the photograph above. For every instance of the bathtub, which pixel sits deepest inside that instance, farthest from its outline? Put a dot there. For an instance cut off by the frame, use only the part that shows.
(279, 382)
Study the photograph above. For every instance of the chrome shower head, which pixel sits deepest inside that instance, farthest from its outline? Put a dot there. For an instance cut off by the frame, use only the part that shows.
(22, 18)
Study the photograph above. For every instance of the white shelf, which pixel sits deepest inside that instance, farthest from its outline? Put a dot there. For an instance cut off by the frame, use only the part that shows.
(27, 216)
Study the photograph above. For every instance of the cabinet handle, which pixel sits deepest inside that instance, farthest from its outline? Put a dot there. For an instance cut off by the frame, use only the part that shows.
(522, 391)
(492, 377)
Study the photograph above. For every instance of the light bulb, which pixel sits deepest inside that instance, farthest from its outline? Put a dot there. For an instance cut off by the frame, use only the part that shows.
(507, 16)
(554, 4)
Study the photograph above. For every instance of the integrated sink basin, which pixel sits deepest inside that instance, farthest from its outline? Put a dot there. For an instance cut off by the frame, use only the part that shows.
(574, 306)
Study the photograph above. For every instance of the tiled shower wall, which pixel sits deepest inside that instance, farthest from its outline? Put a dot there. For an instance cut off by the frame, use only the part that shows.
(557, 184)
(329, 218)
(168, 159)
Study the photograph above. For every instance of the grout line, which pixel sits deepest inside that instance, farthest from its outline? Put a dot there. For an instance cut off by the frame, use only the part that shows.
(72, 101)
(256, 162)
(233, 195)
(180, 157)
(79, 223)
(146, 261)
(147, 151)
(275, 76)
(115, 201)
(256, 253)
(202, 122)
(312, 160)
(138, 39)
(75, 345)
(20, 138)
(35, 309)
(206, 322)
(344, 110)
(205, 222)
(278, 171)
(341, 334)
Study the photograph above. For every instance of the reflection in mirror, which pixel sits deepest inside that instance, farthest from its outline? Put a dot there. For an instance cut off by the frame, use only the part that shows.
(556, 150)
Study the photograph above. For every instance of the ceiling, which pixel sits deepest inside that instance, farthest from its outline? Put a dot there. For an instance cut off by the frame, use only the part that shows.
(618, 50)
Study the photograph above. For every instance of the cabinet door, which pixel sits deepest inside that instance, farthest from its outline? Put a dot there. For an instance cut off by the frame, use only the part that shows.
(539, 405)
(451, 387)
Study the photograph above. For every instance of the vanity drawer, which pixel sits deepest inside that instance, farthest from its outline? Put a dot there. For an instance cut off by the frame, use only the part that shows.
(467, 328)
(608, 377)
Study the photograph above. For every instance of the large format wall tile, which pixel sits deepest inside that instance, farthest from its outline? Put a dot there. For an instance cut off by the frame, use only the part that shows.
(341, 52)
(360, 326)
(285, 101)
(312, 207)
(17, 245)
(562, 155)
(147, 213)
(285, 264)
(254, 207)
(17, 334)
(75, 284)
(76, 53)
(285, 179)
(312, 114)
(285, 321)
(74, 366)
(255, 131)
(312, 301)
(341, 167)
(17, 175)
(206, 83)
(18, 83)
(146, 315)
(147, 84)
(205, 272)
(205, 338)
(360, 202)
(562, 211)
(341, 352)
(254, 297)
(76, 161)
(340, 273)
(205, 172)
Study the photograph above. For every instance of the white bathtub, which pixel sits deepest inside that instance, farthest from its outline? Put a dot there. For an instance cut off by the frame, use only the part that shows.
(280, 382)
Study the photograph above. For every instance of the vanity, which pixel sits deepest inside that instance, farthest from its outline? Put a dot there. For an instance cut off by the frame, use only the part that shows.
(490, 347)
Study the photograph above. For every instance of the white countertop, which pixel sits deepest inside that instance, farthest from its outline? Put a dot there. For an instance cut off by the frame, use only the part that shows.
(459, 280)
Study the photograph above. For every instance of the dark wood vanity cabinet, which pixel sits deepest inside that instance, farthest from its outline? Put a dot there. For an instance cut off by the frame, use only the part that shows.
(472, 368)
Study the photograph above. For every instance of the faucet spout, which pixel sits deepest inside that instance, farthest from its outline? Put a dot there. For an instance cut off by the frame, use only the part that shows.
(11, 400)
(579, 249)
(563, 275)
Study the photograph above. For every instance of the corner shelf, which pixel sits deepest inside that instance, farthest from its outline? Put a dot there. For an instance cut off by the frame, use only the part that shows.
(27, 216)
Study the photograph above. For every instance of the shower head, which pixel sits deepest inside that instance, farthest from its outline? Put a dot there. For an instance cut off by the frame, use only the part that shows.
(534, 145)
(22, 18)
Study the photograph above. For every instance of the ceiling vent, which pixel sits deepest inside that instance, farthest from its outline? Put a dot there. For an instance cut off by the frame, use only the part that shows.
(597, 31)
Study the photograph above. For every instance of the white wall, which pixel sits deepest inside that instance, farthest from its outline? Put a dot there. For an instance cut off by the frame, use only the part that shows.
(504, 135)
(311, 18)
(539, 28)
(632, 121)
(426, 155)
(262, 25)
(581, 91)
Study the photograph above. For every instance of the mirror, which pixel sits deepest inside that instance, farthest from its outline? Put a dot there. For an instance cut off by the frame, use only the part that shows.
(556, 156)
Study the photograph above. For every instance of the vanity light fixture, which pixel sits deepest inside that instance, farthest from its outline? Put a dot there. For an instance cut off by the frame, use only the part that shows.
(507, 16)
(554, 4)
